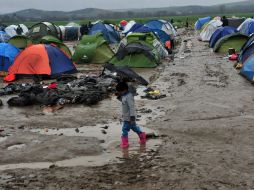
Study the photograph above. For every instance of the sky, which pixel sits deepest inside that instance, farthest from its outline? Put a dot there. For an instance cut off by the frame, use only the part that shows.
(7, 6)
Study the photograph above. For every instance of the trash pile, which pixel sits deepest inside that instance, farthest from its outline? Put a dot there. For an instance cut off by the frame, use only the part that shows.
(68, 89)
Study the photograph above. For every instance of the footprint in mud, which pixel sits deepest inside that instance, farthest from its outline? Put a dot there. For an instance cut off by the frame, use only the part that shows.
(215, 76)
(176, 80)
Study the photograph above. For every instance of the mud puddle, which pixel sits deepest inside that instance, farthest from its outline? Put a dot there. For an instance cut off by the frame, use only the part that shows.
(109, 136)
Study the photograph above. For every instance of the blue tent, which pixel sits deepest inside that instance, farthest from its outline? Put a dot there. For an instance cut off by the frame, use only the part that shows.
(247, 27)
(8, 53)
(4, 37)
(200, 22)
(162, 36)
(165, 26)
(220, 33)
(109, 33)
(135, 27)
(246, 49)
(248, 68)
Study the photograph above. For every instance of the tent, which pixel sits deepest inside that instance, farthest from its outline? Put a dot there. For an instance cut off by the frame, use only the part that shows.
(163, 25)
(8, 53)
(246, 50)
(72, 33)
(235, 41)
(162, 36)
(4, 37)
(210, 28)
(200, 22)
(42, 29)
(137, 50)
(220, 33)
(20, 42)
(45, 60)
(128, 27)
(248, 67)
(235, 22)
(109, 33)
(12, 30)
(93, 49)
(53, 40)
(247, 27)
(72, 24)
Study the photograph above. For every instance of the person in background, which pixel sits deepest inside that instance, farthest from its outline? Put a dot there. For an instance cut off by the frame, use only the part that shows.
(224, 21)
(19, 30)
(129, 114)
(187, 23)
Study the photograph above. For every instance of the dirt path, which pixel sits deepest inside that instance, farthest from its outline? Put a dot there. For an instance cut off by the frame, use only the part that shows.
(207, 126)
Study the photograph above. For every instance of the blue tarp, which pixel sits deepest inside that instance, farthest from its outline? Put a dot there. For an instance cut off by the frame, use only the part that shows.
(200, 22)
(8, 53)
(59, 62)
(220, 33)
(109, 33)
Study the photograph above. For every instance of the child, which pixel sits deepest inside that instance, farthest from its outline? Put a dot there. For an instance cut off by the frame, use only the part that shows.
(129, 115)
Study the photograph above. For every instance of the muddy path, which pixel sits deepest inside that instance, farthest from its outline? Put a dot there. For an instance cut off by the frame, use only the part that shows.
(206, 128)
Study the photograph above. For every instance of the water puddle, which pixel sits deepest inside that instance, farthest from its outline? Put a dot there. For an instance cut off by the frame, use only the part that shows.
(108, 134)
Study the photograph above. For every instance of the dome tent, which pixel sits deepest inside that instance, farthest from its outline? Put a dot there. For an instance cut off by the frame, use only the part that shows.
(20, 42)
(137, 51)
(247, 27)
(163, 25)
(4, 37)
(42, 29)
(209, 29)
(12, 30)
(8, 53)
(57, 42)
(220, 33)
(109, 33)
(201, 22)
(235, 41)
(42, 60)
(93, 49)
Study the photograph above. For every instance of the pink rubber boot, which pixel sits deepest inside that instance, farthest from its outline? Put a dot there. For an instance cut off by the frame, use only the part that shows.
(142, 137)
(125, 142)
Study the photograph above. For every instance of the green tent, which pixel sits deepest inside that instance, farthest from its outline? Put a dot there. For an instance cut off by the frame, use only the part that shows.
(93, 49)
(235, 41)
(20, 41)
(53, 40)
(138, 50)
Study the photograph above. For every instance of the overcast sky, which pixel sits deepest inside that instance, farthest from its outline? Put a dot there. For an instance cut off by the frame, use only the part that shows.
(67, 5)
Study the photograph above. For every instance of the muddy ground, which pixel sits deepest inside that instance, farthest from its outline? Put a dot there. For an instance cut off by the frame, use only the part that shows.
(205, 125)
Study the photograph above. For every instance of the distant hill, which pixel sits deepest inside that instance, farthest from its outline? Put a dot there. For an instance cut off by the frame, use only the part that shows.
(93, 13)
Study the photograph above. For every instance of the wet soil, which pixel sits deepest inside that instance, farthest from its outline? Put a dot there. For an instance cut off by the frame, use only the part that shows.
(205, 127)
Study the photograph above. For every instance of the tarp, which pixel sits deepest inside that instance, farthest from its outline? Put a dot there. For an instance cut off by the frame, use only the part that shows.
(200, 22)
(93, 49)
(4, 37)
(210, 28)
(109, 33)
(247, 27)
(42, 60)
(235, 41)
(8, 53)
(220, 33)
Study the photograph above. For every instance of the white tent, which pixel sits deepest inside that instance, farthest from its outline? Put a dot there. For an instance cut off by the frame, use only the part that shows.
(208, 31)
(11, 30)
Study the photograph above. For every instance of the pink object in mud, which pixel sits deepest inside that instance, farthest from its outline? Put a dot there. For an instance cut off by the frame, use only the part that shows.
(142, 137)
(125, 142)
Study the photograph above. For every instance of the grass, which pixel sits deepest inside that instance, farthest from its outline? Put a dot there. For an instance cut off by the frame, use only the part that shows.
(179, 21)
